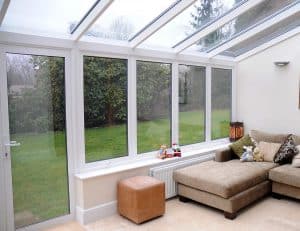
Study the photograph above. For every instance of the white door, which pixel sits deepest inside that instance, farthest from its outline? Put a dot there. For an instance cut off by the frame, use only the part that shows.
(35, 174)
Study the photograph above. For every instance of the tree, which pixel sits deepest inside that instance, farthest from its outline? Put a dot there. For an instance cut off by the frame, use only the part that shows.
(206, 11)
(120, 29)
(153, 90)
(105, 91)
(40, 105)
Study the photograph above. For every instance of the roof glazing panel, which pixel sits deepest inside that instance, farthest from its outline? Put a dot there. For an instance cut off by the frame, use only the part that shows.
(240, 24)
(46, 17)
(274, 31)
(189, 21)
(124, 18)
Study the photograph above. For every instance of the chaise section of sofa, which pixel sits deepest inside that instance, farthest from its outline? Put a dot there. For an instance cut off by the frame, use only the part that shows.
(228, 186)
(286, 181)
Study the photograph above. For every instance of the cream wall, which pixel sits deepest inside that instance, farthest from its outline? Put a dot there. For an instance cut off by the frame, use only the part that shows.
(267, 95)
(103, 189)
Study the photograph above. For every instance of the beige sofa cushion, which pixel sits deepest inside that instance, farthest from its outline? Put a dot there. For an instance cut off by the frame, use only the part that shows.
(296, 160)
(286, 174)
(296, 139)
(224, 179)
(259, 136)
(268, 150)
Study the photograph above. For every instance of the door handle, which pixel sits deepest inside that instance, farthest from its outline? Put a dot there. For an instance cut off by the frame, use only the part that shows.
(12, 144)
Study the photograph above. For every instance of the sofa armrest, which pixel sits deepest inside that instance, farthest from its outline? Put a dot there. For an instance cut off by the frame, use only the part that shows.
(223, 155)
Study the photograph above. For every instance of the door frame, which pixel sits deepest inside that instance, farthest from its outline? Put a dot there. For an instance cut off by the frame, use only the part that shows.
(7, 211)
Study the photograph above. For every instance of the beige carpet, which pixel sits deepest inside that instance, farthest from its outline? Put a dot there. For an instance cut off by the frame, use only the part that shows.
(267, 214)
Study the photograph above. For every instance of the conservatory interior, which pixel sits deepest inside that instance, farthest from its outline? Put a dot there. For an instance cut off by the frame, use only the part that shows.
(149, 115)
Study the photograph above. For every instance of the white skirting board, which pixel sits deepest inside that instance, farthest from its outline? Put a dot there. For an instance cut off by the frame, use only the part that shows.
(85, 216)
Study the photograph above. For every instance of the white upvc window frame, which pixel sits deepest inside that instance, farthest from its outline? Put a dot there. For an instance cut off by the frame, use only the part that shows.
(133, 156)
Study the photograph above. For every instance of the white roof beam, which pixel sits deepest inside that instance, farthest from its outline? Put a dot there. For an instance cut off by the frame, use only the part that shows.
(216, 24)
(270, 43)
(256, 29)
(90, 18)
(3, 9)
(160, 21)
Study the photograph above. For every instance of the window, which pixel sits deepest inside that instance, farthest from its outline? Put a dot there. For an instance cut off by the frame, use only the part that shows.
(105, 108)
(221, 84)
(153, 105)
(191, 104)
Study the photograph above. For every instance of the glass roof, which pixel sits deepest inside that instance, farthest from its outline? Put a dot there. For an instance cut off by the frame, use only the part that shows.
(264, 36)
(240, 24)
(124, 18)
(49, 17)
(190, 21)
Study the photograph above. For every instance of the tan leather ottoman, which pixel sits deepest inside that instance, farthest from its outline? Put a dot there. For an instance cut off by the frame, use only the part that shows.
(141, 198)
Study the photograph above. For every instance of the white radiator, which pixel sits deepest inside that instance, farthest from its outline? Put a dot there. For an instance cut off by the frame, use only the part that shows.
(165, 172)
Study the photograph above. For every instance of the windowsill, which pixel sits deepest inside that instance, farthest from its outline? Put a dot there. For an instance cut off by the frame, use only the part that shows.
(187, 152)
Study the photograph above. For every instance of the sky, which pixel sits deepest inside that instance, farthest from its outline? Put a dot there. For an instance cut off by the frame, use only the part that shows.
(54, 17)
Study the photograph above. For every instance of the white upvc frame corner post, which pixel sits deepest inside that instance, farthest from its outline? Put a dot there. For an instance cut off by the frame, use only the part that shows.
(132, 108)
(7, 215)
(9, 209)
(175, 103)
(208, 112)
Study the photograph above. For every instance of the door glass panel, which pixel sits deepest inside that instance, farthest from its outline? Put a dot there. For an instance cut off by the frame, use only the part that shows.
(36, 104)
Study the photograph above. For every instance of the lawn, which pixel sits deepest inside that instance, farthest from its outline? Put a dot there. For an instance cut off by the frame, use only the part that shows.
(39, 164)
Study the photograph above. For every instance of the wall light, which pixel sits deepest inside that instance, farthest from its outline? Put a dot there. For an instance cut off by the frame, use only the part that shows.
(281, 63)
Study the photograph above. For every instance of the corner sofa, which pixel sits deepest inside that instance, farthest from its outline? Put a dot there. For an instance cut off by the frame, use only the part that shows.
(230, 185)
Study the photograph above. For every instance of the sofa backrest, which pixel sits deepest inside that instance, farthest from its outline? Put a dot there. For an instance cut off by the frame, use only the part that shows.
(296, 139)
(267, 137)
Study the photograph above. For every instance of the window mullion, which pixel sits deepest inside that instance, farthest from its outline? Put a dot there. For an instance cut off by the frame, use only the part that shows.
(175, 103)
(208, 105)
(132, 108)
(79, 99)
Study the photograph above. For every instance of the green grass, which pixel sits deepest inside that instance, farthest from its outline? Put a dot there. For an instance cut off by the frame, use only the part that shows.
(40, 176)
(39, 164)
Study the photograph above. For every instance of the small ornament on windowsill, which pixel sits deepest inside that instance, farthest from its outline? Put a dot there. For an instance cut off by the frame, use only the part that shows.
(176, 149)
(165, 152)
(236, 131)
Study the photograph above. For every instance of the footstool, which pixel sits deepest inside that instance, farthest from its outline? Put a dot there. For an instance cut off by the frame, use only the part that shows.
(141, 198)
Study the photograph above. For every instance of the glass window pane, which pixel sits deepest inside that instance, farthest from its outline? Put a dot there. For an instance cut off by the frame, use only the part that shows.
(153, 105)
(191, 104)
(189, 21)
(45, 16)
(221, 99)
(105, 108)
(123, 19)
(274, 31)
(241, 23)
(36, 105)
